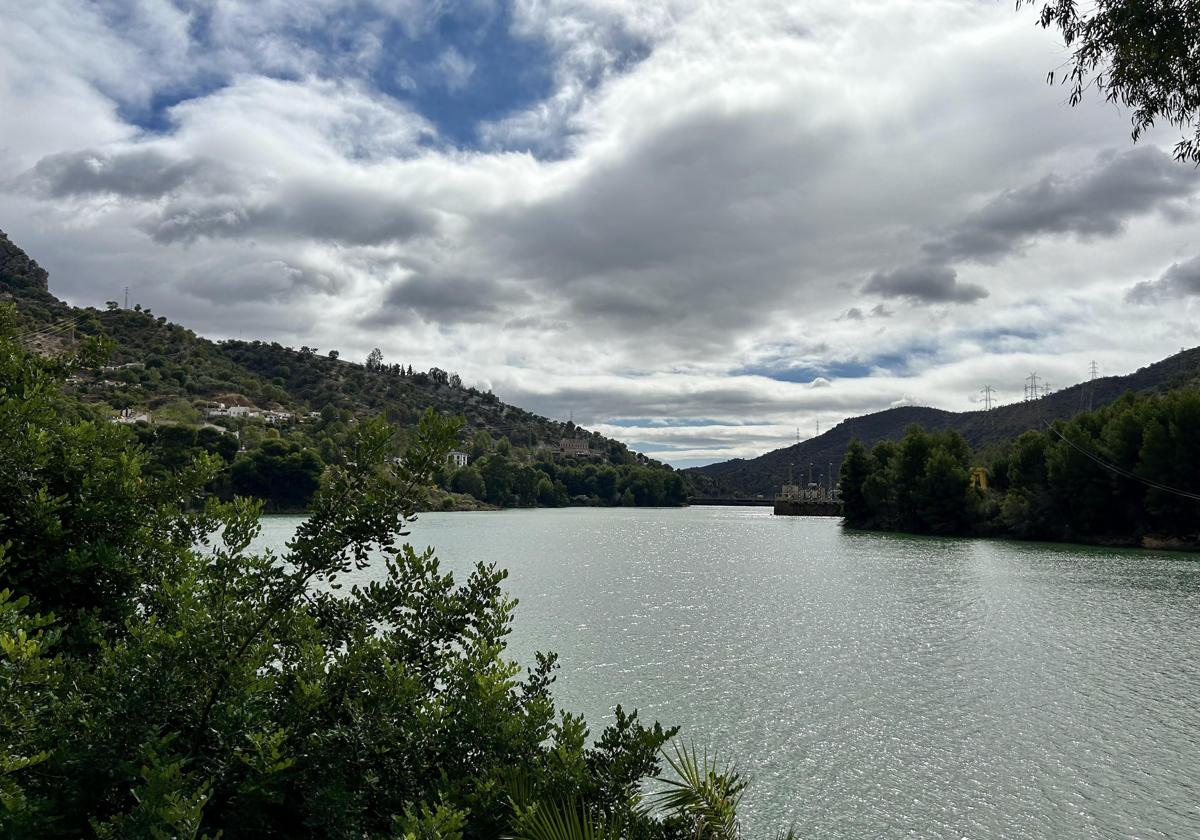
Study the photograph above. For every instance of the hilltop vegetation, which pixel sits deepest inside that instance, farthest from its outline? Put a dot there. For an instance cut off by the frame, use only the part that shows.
(308, 404)
(980, 429)
(1127, 473)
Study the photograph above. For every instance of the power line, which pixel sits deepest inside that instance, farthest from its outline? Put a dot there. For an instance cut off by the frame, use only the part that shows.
(1121, 471)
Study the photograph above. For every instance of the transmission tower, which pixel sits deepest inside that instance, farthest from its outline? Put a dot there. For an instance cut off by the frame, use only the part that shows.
(1031, 386)
(1089, 388)
(987, 391)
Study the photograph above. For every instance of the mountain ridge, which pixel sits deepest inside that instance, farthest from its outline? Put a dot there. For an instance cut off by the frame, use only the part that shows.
(762, 475)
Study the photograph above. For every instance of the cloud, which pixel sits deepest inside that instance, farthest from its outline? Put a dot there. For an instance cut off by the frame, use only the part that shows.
(446, 300)
(301, 209)
(663, 210)
(924, 284)
(455, 69)
(138, 173)
(228, 282)
(1181, 280)
(1094, 202)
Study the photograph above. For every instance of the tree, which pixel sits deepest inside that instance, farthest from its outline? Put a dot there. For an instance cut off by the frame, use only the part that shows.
(374, 359)
(1139, 53)
(468, 480)
(333, 354)
(481, 444)
(282, 473)
(217, 690)
(853, 476)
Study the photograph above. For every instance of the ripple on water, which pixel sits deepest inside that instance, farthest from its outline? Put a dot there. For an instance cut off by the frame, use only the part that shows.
(871, 685)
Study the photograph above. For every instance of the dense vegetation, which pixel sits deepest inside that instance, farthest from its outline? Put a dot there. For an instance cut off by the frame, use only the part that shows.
(1127, 472)
(159, 679)
(169, 372)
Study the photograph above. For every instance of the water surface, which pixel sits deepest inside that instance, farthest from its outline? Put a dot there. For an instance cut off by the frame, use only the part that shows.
(870, 685)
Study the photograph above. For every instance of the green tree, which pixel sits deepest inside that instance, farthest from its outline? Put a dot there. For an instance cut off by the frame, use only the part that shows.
(944, 500)
(468, 480)
(282, 473)
(855, 470)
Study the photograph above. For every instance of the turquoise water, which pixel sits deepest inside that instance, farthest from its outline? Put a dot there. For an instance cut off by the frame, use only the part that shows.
(870, 685)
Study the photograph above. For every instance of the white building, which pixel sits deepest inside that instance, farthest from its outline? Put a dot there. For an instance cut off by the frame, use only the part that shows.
(458, 458)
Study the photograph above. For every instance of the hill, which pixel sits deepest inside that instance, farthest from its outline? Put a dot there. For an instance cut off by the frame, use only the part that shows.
(763, 475)
(164, 373)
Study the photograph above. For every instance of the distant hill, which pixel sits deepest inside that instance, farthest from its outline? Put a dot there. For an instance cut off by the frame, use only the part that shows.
(764, 474)
(159, 363)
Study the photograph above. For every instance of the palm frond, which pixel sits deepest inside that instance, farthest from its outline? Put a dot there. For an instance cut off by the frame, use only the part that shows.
(563, 821)
(702, 792)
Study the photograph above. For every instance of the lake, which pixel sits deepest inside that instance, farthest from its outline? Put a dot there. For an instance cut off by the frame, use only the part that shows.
(870, 685)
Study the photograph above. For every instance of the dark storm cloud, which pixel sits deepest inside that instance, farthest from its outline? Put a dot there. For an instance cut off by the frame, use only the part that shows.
(446, 300)
(1096, 202)
(1178, 281)
(924, 283)
(328, 212)
(143, 173)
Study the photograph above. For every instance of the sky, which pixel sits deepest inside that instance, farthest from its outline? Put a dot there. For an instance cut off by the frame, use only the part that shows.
(703, 228)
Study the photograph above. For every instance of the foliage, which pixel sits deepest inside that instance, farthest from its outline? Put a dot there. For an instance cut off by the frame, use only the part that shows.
(1139, 53)
(918, 484)
(178, 684)
(282, 472)
(1121, 472)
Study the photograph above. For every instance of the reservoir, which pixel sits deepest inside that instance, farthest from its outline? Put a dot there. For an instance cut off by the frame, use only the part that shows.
(869, 685)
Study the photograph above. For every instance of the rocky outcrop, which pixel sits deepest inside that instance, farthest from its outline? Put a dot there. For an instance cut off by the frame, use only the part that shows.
(18, 270)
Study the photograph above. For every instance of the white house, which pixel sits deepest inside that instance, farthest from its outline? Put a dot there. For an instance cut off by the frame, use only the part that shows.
(458, 458)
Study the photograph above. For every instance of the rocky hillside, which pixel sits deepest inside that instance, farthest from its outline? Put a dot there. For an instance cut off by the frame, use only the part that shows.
(764, 474)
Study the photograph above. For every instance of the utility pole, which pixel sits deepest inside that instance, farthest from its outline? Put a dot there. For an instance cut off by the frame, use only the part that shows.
(126, 297)
(818, 427)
